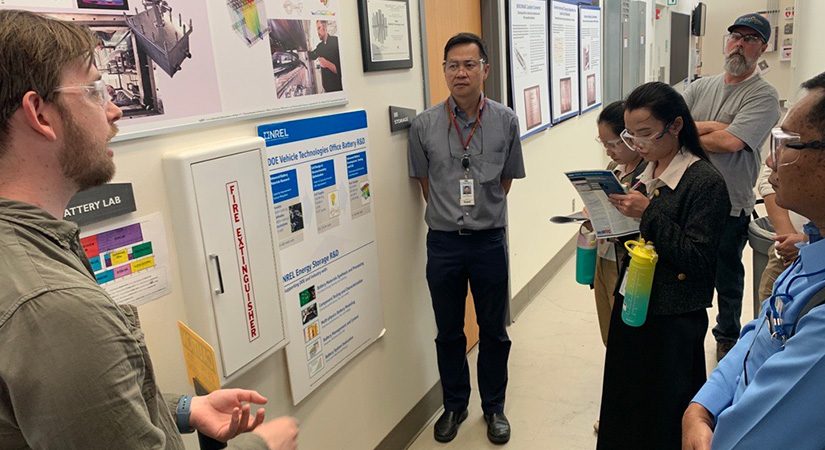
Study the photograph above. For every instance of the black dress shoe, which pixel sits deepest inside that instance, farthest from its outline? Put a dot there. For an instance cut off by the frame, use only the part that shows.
(446, 427)
(498, 428)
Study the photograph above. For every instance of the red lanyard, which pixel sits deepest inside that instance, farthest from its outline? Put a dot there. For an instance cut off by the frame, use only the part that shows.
(475, 125)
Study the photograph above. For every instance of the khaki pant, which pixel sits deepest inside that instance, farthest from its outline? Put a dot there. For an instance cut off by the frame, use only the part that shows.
(604, 283)
(773, 268)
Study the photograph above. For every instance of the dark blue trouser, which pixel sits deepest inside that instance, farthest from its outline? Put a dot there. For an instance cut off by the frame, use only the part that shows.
(452, 261)
(730, 277)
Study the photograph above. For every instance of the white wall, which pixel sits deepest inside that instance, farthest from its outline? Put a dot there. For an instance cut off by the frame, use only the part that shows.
(659, 47)
(545, 192)
(368, 397)
(808, 57)
(721, 14)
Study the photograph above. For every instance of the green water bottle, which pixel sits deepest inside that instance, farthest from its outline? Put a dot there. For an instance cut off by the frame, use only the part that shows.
(585, 256)
(639, 281)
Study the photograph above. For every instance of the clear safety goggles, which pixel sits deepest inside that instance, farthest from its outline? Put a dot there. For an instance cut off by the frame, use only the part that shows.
(782, 140)
(96, 91)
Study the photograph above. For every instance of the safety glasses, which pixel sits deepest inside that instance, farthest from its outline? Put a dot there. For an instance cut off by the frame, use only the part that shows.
(782, 140)
(637, 142)
(96, 91)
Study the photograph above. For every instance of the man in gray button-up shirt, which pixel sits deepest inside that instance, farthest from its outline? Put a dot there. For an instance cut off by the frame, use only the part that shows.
(465, 152)
(75, 372)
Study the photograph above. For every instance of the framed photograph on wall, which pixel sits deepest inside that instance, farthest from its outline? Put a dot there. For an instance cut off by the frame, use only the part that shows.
(386, 43)
(121, 5)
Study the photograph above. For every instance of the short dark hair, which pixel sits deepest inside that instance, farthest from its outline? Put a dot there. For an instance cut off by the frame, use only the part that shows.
(35, 50)
(816, 116)
(613, 116)
(665, 104)
(467, 38)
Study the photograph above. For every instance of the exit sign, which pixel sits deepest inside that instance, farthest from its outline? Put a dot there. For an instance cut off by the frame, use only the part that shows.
(672, 2)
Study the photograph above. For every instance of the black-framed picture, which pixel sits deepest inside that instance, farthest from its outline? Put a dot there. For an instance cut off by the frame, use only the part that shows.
(121, 5)
(386, 42)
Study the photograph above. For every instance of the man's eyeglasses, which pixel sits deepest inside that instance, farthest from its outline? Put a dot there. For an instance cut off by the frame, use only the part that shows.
(637, 142)
(781, 140)
(611, 144)
(749, 38)
(96, 91)
(470, 66)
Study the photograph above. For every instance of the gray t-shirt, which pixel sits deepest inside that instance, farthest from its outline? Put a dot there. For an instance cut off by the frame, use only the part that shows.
(435, 152)
(751, 108)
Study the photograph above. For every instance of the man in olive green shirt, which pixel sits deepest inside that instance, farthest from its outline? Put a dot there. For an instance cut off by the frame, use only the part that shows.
(74, 369)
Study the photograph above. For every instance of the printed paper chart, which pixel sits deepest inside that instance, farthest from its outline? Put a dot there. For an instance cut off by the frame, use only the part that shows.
(130, 259)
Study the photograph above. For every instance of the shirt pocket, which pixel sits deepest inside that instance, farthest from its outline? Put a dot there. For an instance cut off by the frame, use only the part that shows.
(490, 166)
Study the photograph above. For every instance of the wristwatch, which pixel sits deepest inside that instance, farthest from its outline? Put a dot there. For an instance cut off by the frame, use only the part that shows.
(182, 414)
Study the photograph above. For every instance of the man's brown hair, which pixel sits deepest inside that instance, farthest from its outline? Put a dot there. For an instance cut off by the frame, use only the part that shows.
(34, 51)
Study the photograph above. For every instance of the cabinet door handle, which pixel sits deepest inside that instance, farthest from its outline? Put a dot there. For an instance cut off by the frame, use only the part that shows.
(220, 276)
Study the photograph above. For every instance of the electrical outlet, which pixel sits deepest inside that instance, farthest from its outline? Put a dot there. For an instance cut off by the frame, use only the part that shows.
(573, 207)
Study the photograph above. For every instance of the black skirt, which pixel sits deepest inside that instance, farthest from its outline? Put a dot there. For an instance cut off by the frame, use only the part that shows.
(651, 373)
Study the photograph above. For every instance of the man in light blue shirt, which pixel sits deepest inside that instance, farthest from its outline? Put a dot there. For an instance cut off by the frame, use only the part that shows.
(769, 391)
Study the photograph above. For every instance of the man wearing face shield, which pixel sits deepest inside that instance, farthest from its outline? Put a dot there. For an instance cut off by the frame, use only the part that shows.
(734, 112)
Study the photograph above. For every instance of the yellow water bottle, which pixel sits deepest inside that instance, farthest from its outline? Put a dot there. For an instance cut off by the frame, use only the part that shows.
(639, 281)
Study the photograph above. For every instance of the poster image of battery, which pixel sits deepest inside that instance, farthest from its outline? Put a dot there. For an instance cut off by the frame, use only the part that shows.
(306, 296)
(365, 192)
(309, 313)
(124, 66)
(120, 5)
(316, 366)
(296, 217)
(314, 349)
(248, 19)
(311, 332)
(164, 37)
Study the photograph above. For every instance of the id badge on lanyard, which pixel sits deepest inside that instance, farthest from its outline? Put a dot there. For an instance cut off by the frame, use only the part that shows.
(466, 185)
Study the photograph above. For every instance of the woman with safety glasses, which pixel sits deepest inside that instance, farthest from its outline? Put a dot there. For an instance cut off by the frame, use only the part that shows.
(652, 371)
(628, 165)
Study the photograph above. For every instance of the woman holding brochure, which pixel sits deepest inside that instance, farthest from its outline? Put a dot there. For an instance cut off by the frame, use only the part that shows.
(628, 165)
(652, 371)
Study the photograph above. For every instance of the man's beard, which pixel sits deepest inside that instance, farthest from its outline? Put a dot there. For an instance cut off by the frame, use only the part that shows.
(738, 65)
(83, 161)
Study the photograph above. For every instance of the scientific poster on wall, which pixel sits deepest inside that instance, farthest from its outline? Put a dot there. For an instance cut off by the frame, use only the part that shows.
(325, 222)
(590, 48)
(564, 56)
(529, 65)
(175, 64)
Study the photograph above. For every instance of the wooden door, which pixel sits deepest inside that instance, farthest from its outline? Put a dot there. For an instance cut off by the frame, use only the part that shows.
(444, 19)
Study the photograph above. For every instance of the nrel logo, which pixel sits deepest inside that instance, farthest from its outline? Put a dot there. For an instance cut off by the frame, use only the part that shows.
(276, 135)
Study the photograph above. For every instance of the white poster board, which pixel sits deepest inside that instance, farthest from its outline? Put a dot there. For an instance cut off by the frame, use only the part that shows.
(529, 65)
(325, 223)
(208, 60)
(564, 57)
(590, 48)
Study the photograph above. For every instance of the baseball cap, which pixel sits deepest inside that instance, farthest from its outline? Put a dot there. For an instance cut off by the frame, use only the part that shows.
(756, 22)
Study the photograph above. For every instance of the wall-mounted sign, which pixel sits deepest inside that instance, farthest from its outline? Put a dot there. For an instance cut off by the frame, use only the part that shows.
(401, 118)
(100, 203)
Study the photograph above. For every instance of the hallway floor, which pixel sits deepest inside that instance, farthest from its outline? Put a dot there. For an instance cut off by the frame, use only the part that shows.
(555, 371)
